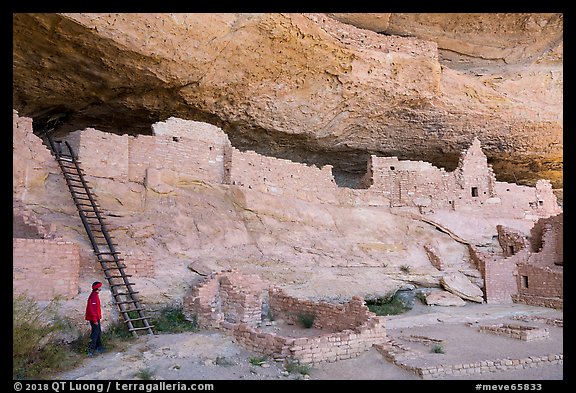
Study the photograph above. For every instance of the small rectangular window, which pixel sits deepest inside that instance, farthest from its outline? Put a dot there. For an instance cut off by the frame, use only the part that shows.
(474, 191)
(524, 281)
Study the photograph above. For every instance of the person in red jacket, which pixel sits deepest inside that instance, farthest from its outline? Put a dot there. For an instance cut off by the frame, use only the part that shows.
(94, 315)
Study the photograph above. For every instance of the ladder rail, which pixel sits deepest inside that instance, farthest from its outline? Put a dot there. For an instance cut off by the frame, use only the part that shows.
(82, 192)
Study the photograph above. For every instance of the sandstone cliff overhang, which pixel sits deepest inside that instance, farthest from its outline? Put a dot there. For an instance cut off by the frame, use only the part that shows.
(309, 87)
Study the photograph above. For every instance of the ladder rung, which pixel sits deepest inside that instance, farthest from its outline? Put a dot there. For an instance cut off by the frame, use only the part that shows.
(80, 180)
(126, 293)
(134, 309)
(69, 176)
(121, 285)
(108, 253)
(86, 204)
(141, 328)
(120, 276)
(126, 301)
(113, 267)
(137, 319)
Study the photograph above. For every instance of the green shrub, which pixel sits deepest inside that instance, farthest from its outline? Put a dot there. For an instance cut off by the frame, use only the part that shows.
(257, 360)
(172, 320)
(38, 348)
(392, 305)
(294, 367)
(421, 295)
(437, 348)
(405, 269)
(306, 320)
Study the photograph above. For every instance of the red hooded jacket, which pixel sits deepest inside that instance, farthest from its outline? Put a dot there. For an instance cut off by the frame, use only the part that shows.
(93, 310)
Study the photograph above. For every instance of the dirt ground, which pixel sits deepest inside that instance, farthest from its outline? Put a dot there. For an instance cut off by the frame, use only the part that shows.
(213, 355)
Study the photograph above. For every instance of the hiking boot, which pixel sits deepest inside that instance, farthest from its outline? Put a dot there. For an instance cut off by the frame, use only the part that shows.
(100, 350)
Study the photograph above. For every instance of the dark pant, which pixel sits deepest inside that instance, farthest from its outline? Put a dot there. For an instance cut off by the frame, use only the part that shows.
(95, 337)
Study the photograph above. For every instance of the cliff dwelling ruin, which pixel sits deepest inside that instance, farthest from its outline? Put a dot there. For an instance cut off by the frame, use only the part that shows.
(528, 268)
(248, 194)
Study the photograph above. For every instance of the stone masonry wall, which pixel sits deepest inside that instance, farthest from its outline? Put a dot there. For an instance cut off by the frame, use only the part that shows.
(540, 281)
(516, 331)
(101, 154)
(141, 153)
(233, 301)
(124, 157)
(510, 240)
(332, 317)
(547, 240)
(25, 224)
(401, 356)
(404, 182)
(283, 177)
(32, 162)
(499, 278)
(471, 186)
(45, 268)
(204, 151)
(433, 257)
(328, 347)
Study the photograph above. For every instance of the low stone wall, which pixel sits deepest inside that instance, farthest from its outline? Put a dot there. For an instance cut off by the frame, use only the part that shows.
(559, 322)
(398, 354)
(520, 332)
(490, 366)
(235, 302)
(539, 301)
(334, 317)
(328, 347)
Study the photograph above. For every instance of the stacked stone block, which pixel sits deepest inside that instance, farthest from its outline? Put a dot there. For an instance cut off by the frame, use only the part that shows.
(45, 268)
(519, 332)
(233, 302)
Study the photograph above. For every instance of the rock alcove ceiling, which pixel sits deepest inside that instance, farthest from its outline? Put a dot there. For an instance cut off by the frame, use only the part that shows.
(316, 88)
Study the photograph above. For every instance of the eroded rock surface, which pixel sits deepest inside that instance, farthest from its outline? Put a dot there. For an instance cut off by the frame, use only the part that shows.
(310, 87)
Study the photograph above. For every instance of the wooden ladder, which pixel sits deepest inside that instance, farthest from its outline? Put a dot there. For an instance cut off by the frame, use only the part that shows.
(94, 223)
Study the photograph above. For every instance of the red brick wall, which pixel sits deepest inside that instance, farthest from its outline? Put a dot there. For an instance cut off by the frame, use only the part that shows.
(542, 281)
(433, 257)
(283, 177)
(102, 154)
(141, 152)
(45, 268)
(547, 239)
(510, 240)
(499, 282)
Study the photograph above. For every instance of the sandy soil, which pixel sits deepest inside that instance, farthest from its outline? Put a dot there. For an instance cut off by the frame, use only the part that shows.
(212, 355)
